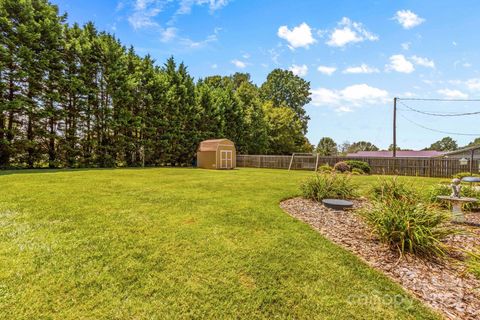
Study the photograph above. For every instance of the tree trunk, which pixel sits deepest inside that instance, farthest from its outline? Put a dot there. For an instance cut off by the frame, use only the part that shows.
(30, 137)
(51, 140)
(3, 146)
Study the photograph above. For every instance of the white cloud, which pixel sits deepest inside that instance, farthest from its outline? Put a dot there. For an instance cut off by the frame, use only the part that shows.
(399, 63)
(214, 66)
(408, 19)
(239, 64)
(186, 5)
(300, 71)
(473, 84)
(349, 31)
(406, 46)
(217, 4)
(274, 55)
(187, 42)
(462, 63)
(363, 93)
(139, 20)
(326, 97)
(168, 34)
(120, 6)
(363, 68)
(424, 62)
(408, 94)
(349, 98)
(144, 13)
(299, 36)
(326, 70)
(452, 94)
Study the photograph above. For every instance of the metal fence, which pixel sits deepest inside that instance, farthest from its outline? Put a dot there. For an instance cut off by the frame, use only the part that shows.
(426, 167)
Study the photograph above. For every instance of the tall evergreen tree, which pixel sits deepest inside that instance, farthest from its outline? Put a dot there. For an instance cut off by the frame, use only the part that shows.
(73, 97)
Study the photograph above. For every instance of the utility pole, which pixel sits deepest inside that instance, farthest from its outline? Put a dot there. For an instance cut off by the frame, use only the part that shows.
(394, 127)
(472, 158)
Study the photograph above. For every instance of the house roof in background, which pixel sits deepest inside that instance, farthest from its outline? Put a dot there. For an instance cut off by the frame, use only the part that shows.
(400, 154)
(463, 150)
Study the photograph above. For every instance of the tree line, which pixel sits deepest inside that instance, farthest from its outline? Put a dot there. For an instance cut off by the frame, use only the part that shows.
(71, 96)
(328, 147)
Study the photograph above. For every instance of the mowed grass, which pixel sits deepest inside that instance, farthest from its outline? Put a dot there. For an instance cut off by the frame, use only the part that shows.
(177, 243)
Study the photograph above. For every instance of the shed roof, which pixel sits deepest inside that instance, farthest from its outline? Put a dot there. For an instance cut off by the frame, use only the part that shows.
(212, 145)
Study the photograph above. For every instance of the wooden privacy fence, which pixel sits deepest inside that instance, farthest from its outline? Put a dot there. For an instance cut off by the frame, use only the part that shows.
(426, 167)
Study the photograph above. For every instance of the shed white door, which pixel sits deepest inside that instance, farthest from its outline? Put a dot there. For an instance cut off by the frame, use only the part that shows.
(226, 159)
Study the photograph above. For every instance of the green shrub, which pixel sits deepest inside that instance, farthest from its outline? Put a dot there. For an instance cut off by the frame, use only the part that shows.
(323, 186)
(391, 188)
(362, 165)
(409, 227)
(445, 190)
(326, 168)
(341, 166)
(462, 175)
(357, 171)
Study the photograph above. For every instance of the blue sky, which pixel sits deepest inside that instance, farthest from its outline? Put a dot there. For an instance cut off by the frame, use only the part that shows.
(357, 55)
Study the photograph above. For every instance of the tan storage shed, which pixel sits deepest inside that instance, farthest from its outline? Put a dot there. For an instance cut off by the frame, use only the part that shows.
(216, 154)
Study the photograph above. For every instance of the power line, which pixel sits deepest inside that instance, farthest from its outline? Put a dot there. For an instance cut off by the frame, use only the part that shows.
(438, 99)
(440, 131)
(440, 114)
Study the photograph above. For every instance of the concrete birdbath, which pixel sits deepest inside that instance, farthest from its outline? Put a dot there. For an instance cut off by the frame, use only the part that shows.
(457, 201)
(472, 181)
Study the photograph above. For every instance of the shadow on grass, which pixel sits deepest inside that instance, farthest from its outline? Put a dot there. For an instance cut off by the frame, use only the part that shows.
(4, 172)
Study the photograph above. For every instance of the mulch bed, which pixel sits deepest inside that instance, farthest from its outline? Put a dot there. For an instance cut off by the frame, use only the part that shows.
(447, 286)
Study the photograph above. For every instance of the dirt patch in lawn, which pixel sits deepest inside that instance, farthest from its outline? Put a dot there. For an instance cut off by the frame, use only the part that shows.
(446, 286)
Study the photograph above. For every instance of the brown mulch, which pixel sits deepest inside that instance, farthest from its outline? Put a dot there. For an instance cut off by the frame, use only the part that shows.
(447, 286)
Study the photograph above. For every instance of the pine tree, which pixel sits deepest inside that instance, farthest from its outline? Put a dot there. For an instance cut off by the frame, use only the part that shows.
(71, 96)
(72, 89)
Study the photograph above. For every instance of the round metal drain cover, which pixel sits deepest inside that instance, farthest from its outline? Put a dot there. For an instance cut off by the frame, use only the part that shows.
(337, 204)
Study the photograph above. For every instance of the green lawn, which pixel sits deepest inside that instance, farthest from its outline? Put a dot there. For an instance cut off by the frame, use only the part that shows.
(183, 243)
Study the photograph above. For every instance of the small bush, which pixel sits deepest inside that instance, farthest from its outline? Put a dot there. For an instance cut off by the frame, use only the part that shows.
(323, 186)
(409, 227)
(325, 168)
(445, 190)
(391, 188)
(462, 175)
(362, 165)
(341, 166)
(357, 171)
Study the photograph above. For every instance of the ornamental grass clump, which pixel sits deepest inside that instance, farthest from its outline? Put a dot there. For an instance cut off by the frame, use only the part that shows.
(392, 188)
(400, 218)
(408, 227)
(474, 262)
(326, 168)
(322, 186)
